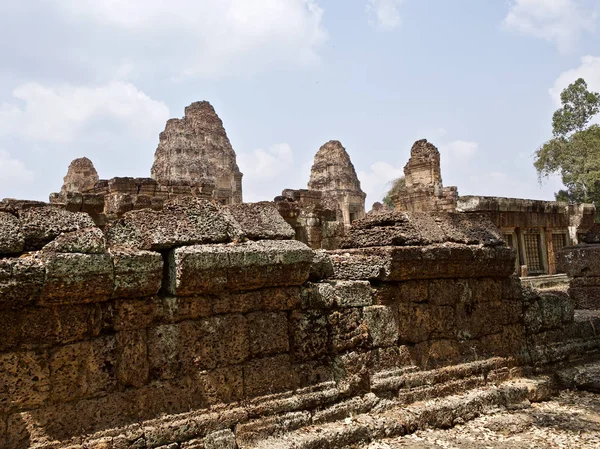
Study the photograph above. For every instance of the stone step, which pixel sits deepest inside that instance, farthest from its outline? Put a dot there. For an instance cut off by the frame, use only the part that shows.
(401, 420)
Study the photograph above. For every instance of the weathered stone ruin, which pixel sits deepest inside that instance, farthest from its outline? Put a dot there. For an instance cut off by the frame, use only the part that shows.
(195, 153)
(334, 199)
(333, 174)
(194, 159)
(81, 177)
(314, 220)
(423, 190)
(537, 230)
(582, 265)
(205, 326)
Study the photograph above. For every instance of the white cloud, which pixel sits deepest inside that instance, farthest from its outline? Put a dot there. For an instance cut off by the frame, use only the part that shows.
(212, 37)
(558, 21)
(13, 171)
(62, 114)
(268, 171)
(589, 70)
(384, 14)
(266, 164)
(460, 150)
(376, 181)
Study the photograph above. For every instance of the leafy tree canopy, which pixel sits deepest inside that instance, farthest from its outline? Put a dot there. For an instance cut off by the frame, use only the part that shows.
(574, 152)
(397, 185)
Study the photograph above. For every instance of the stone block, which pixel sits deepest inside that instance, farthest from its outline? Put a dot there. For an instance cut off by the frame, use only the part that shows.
(512, 288)
(184, 221)
(267, 376)
(472, 320)
(422, 229)
(428, 262)
(586, 298)
(348, 331)
(39, 327)
(223, 439)
(579, 261)
(223, 385)
(77, 322)
(132, 358)
(21, 282)
(321, 267)
(352, 372)
(77, 278)
(268, 333)
(214, 268)
(382, 323)
(84, 369)
(41, 225)
(24, 381)
(171, 309)
(420, 322)
(214, 342)
(435, 353)
(261, 221)
(308, 334)
(32, 327)
(352, 293)
(131, 314)
(390, 358)
(556, 309)
(12, 240)
(318, 295)
(415, 291)
(164, 344)
(313, 373)
(85, 241)
(137, 273)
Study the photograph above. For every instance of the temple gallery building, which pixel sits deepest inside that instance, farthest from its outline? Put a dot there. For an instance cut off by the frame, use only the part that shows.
(537, 230)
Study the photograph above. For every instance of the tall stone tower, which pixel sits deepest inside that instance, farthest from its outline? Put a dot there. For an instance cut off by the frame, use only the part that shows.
(195, 151)
(423, 190)
(81, 176)
(333, 174)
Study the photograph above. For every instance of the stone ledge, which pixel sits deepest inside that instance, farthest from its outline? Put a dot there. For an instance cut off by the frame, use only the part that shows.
(579, 261)
(248, 266)
(429, 262)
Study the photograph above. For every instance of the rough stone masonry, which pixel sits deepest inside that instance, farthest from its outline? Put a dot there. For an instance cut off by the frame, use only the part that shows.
(206, 326)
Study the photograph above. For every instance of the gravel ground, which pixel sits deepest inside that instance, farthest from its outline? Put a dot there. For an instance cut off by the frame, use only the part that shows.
(572, 420)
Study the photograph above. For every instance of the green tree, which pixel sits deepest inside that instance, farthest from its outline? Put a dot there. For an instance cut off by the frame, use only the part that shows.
(397, 185)
(574, 151)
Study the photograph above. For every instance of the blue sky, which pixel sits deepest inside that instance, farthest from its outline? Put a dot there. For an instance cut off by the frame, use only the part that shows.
(479, 79)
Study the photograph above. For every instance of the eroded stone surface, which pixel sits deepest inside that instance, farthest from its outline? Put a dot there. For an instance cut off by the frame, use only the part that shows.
(185, 221)
(41, 225)
(11, 235)
(86, 241)
(248, 266)
(261, 221)
(21, 281)
(420, 228)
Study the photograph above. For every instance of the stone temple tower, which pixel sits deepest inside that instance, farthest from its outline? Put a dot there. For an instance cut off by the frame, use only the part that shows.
(423, 190)
(195, 151)
(334, 175)
(81, 176)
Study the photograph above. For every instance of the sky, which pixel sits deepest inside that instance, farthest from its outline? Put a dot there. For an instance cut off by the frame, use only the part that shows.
(478, 79)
